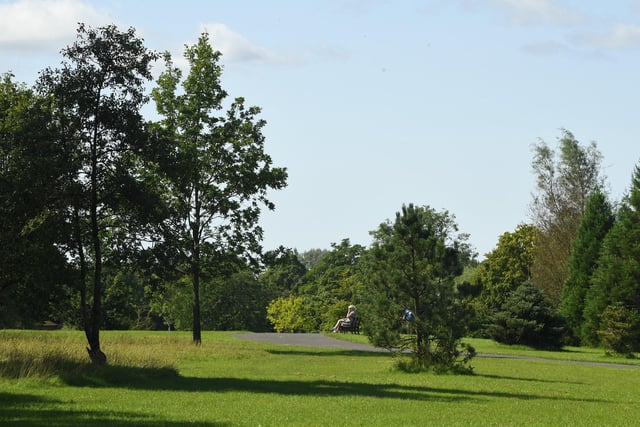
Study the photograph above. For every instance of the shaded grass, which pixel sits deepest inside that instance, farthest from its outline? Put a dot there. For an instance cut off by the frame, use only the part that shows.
(161, 379)
(486, 346)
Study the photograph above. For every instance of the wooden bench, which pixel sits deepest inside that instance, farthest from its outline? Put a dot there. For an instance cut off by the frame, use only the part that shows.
(353, 326)
(48, 325)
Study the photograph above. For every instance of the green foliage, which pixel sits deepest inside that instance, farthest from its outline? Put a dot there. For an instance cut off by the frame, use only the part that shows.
(98, 93)
(564, 183)
(234, 302)
(507, 266)
(333, 283)
(620, 331)
(527, 317)
(232, 299)
(413, 263)
(311, 257)
(216, 172)
(125, 305)
(283, 272)
(33, 269)
(617, 277)
(596, 222)
(290, 314)
(330, 277)
(171, 301)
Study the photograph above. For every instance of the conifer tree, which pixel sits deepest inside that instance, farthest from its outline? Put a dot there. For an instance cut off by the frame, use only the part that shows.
(616, 281)
(412, 264)
(597, 221)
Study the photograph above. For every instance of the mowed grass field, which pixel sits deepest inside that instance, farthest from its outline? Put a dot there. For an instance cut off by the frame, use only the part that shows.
(160, 378)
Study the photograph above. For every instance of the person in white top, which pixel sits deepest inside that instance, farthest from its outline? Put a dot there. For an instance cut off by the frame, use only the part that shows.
(351, 315)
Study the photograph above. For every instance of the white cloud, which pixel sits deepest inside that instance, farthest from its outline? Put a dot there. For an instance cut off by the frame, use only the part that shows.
(546, 48)
(536, 12)
(42, 24)
(552, 48)
(621, 36)
(235, 47)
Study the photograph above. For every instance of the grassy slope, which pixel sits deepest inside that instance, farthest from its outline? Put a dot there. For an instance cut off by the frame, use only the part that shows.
(159, 378)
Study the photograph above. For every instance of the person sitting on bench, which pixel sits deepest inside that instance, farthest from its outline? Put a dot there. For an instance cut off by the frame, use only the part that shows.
(345, 321)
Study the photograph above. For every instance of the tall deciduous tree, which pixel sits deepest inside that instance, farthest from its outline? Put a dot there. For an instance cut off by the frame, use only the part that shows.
(32, 268)
(412, 264)
(563, 184)
(596, 222)
(218, 173)
(507, 266)
(616, 281)
(99, 91)
(312, 256)
(283, 272)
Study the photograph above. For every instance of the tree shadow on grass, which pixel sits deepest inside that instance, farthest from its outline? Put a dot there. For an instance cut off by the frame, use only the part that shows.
(163, 380)
(22, 410)
(331, 352)
(538, 380)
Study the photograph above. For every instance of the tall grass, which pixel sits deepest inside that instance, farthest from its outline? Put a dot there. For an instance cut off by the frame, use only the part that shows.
(30, 354)
(46, 354)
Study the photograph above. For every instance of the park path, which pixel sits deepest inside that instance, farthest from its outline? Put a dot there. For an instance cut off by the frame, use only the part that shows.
(324, 341)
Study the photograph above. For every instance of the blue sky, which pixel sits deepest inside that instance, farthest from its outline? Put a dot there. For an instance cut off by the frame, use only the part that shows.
(375, 104)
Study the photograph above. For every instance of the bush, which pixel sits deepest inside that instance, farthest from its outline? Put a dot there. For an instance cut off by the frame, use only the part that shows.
(290, 315)
(619, 332)
(527, 317)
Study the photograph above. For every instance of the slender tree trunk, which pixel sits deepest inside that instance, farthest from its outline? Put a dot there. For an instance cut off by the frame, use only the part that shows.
(195, 272)
(82, 285)
(88, 315)
(93, 332)
(419, 334)
(197, 334)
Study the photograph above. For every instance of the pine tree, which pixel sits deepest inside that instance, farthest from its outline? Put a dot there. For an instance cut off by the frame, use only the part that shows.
(412, 264)
(595, 224)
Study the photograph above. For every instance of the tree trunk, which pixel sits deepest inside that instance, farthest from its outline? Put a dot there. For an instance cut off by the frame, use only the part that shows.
(418, 329)
(197, 334)
(95, 354)
(195, 272)
(82, 283)
(92, 330)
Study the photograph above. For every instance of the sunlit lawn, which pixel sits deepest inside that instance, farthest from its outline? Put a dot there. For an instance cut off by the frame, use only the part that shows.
(159, 378)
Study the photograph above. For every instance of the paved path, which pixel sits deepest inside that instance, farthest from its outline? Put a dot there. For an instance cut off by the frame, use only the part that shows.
(306, 340)
(323, 341)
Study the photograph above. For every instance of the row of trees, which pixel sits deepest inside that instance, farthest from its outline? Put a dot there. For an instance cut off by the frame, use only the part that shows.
(113, 221)
(572, 276)
(90, 189)
(580, 251)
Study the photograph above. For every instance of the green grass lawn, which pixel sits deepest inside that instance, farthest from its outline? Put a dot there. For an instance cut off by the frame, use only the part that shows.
(159, 378)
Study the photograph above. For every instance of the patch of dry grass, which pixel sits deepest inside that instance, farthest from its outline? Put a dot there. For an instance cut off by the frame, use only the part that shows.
(44, 354)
